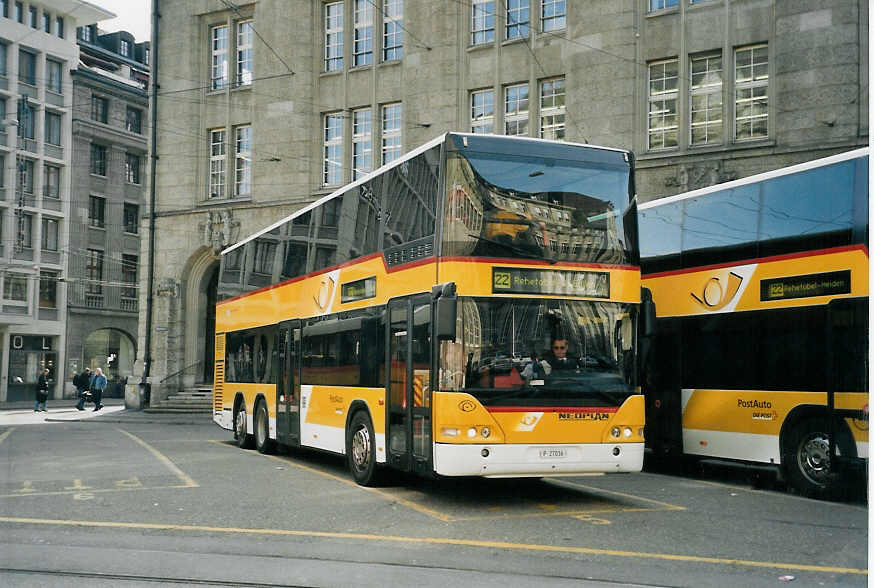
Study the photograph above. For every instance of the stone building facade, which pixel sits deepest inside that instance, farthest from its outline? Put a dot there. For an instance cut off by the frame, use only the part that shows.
(265, 106)
(38, 51)
(110, 125)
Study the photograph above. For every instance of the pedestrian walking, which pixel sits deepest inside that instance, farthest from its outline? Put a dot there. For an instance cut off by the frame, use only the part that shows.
(82, 381)
(97, 385)
(42, 391)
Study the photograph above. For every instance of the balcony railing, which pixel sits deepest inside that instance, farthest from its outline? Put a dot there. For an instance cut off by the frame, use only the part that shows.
(129, 304)
(94, 300)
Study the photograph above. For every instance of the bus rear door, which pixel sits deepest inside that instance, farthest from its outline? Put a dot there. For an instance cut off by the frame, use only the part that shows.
(288, 390)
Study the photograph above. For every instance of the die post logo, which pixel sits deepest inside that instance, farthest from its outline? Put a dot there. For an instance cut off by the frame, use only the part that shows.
(718, 291)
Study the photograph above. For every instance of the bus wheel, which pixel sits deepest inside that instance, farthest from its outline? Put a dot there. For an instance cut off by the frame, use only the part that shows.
(361, 449)
(241, 434)
(808, 468)
(263, 442)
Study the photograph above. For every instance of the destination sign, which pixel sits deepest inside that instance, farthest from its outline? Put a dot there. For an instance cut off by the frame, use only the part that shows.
(807, 286)
(358, 290)
(512, 280)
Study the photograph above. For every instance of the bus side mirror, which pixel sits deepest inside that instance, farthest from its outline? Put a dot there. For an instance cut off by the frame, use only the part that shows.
(446, 311)
(647, 313)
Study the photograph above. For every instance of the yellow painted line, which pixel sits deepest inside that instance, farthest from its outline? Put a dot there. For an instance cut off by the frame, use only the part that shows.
(664, 505)
(95, 491)
(5, 434)
(442, 541)
(186, 479)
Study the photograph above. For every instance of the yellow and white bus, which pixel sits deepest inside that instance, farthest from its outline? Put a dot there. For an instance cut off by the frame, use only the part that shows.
(761, 346)
(404, 320)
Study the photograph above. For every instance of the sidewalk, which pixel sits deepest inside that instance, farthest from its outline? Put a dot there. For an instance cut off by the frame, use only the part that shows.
(64, 410)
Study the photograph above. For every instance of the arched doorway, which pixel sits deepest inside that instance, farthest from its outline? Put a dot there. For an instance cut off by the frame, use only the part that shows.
(114, 352)
(209, 326)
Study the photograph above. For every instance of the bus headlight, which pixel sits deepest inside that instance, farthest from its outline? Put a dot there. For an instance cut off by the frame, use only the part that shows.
(628, 432)
(449, 432)
(471, 432)
(615, 432)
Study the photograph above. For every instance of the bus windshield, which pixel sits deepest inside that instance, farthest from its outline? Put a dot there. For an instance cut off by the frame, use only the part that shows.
(511, 352)
(540, 207)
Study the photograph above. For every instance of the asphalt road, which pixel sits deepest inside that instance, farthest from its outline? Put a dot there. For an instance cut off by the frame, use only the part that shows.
(112, 501)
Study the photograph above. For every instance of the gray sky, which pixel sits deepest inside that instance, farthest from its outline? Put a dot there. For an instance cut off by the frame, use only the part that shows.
(134, 16)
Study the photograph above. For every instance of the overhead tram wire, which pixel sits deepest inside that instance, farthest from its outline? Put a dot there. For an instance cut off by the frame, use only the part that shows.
(236, 10)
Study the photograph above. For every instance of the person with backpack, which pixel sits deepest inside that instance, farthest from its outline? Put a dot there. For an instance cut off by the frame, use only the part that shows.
(81, 382)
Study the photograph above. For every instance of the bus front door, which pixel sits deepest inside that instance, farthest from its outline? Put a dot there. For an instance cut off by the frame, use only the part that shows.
(409, 376)
(288, 388)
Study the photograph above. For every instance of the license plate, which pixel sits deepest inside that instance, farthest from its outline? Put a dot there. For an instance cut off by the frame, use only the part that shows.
(553, 453)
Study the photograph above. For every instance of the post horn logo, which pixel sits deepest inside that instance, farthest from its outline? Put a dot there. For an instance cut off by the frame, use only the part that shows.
(323, 296)
(467, 406)
(717, 293)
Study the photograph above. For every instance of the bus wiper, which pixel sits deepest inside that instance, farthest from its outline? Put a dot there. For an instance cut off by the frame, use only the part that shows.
(513, 248)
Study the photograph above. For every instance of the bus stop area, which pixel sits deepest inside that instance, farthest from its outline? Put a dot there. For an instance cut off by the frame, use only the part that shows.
(150, 493)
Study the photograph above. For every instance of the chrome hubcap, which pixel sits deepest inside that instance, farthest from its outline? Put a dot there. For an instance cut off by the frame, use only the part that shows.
(261, 427)
(361, 448)
(241, 423)
(813, 458)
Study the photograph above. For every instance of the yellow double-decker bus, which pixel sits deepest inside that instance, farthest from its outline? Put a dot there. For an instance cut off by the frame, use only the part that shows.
(761, 347)
(469, 309)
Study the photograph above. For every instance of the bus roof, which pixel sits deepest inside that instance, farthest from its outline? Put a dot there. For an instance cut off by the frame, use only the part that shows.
(783, 171)
(407, 156)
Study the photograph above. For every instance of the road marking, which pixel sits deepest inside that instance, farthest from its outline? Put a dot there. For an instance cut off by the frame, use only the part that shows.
(5, 434)
(95, 491)
(443, 541)
(186, 479)
(664, 505)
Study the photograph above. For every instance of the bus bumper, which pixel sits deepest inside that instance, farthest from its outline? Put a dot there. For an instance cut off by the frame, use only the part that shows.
(499, 461)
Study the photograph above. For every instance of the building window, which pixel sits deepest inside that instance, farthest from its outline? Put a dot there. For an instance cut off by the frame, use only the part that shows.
(53, 128)
(55, 76)
(552, 109)
(129, 265)
(51, 185)
(217, 162)
(26, 67)
(46, 22)
(243, 161)
(751, 92)
(98, 160)
(124, 47)
(482, 21)
(48, 289)
(59, 27)
(146, 55)
(27, 118)
(133, 121)
(362, 143)
(518, 19)
(132, 168)
(25, 231)
(332, 168)
(85, 34)
(50, 234)
(482, 111)
(391, 132)
(131, 218)
(392, 30)
(655, 5)
(334, 36)
(331, 212)
(553, 15)
(705, 99)
(32, 17)
(15, 287)
(219, 74)
(96, 211)
(99, 109)
(94, 272)
(4, 59)
(4, 8)
(19, 12)
(662, 117)
(245, 53)
(25, 176)
(516, 110)
(362, 50)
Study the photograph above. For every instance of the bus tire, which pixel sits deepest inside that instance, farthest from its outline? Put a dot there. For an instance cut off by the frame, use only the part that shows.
(361, 450)
(806, 460)
(242, 436)
(263, 442)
